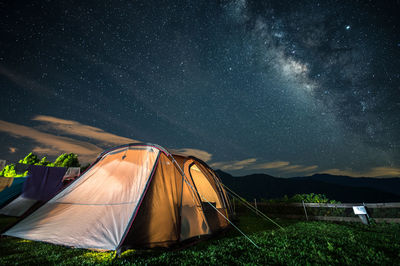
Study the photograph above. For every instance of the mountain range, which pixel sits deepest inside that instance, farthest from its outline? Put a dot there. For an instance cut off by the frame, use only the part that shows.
(340, 188)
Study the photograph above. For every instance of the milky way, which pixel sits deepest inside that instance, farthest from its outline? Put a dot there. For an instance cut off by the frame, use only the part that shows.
(283, 87)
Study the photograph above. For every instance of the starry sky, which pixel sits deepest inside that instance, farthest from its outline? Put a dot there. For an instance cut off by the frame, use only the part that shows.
(287, 88)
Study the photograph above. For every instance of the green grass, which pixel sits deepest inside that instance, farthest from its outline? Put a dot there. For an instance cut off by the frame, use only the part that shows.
(300, 243)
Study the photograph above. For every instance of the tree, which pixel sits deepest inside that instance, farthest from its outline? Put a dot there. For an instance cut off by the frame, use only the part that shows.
(9, 171)
(45, 162)
(64, 160)
(30, 159)
(67, 160)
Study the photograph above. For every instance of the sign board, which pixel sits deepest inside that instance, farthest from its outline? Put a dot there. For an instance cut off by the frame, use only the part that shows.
(359, 210)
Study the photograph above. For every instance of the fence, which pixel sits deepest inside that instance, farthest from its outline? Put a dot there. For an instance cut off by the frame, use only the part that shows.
(380, 212)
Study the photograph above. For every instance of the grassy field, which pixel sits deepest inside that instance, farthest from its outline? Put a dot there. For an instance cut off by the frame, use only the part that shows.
(300, 243)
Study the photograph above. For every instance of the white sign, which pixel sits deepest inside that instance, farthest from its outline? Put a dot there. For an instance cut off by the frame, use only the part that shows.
(359, 210)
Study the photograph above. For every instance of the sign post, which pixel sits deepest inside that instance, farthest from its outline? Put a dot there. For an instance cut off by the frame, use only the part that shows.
(361, 212)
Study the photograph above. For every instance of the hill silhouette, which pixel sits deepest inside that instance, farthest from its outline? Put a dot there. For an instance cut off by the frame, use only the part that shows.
(341, 188)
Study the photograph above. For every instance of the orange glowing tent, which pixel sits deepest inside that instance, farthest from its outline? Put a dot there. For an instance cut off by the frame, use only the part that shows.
(135, 195)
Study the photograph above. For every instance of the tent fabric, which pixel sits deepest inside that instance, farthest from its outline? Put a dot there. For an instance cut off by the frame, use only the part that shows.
(157, 219)
(206, 188)
(72, 173)
(41, 185)
(18, 206)
(5, 182)
(95, 210)
(10, 188)
(203, 186)
(134, 195)
(44, 182)
(193, 221)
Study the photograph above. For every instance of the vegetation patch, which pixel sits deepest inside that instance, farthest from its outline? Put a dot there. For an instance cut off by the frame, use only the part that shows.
(64, 160)
(300, 243)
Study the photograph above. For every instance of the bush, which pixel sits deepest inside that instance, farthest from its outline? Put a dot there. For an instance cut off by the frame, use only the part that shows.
(30, 159)
(64, 160)
(307, 198)
(312, 198)
(45, 162)
(9, 171)
(67, 160)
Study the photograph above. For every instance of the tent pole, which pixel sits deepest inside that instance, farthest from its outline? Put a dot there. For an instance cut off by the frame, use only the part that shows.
(190, 185)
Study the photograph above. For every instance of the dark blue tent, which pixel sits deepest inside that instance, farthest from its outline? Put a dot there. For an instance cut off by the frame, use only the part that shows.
(41, 185)
(10, 187)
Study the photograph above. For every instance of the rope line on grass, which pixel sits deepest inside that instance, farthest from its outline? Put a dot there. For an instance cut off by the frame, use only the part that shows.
(251, 207)
(215, 208)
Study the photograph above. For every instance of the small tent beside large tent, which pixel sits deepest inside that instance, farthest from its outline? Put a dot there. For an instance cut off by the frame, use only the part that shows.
(41, 184)
(135, 195)
(10, 188)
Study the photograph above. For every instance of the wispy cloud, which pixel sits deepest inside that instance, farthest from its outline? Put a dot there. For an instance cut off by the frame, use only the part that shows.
(69, 127)
(58, 136)
(271, 165)
(234, 165)
(282, 167)
(298, 168)
(382, 171)
(85, 150)
(203, 155)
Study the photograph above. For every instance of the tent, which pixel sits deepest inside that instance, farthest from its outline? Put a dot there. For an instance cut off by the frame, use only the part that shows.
(135, 195)
(41, 185)
(10, 188)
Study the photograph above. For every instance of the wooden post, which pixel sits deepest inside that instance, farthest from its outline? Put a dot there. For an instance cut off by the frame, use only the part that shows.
(255, 203)
(305, 211)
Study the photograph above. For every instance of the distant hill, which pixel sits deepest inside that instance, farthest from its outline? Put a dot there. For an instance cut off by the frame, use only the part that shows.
(341, 188)
(391, 185)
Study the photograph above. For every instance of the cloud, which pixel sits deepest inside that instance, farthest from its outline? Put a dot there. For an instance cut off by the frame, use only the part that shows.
(52, 143)
(298, 168)
(271, 165)
(46, 151)
(234, 165)
(382, 171)
(276, 166)
(70, 127)
(283, 166)
(203, 155)
(12, 149)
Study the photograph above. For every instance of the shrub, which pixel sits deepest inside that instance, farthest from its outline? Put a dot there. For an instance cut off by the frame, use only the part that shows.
(9, 171)
(67, 160)
(64, 160)
(30, 159)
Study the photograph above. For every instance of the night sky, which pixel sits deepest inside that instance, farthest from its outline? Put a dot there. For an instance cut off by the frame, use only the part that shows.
(286, 88)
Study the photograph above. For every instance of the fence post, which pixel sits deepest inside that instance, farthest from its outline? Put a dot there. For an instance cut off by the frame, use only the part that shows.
(255, 203)
(305, 211)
